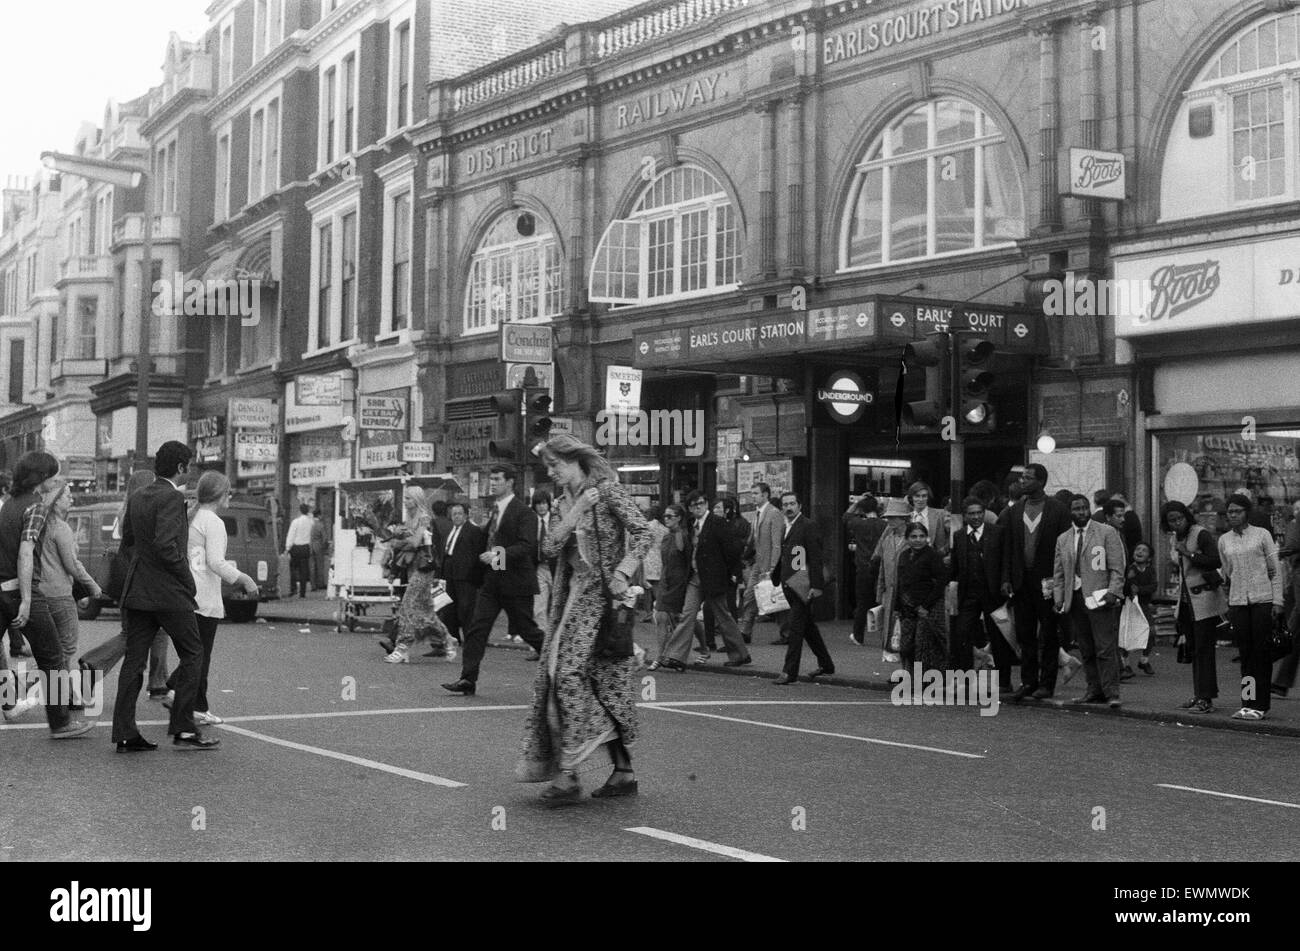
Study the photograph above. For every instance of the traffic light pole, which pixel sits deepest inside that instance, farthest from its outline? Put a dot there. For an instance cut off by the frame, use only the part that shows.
(957, 447)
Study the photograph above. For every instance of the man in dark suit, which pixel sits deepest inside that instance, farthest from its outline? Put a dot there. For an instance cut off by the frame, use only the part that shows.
(714, 562)
(158, 592)
(1032, 525)
(511, 576)
(462, 570)
(977, 567)
(800, 575)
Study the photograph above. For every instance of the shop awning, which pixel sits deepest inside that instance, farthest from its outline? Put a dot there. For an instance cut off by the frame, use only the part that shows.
(240, 263)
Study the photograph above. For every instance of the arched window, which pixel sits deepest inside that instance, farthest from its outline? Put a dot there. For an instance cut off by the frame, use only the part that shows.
(517, 274)
(1238, 117)
(940, 180)
(681, 240)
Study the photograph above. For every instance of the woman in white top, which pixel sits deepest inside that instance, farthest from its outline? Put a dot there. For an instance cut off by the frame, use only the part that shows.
(207, 547)
(60, 567)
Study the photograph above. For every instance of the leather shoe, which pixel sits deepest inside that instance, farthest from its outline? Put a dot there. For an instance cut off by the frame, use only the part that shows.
(743, 662)
(1042, 693)
(1090, 698)
(1022, 692)
(781, 642)
(462, 686)
(194, 741)
(137, 744)
(821, 672)
(784, 680)
(388, 646)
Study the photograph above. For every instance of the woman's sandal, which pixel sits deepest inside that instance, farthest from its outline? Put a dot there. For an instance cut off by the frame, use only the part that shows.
(558, 796)
(613, 790)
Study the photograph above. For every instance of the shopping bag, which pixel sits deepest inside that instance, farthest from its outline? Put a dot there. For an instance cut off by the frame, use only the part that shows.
(1007, 627)
(875, 617)
(1281, 643)
(893, 644)
(950, 597)
(770, 598)
(1133, 627)
(441, 599)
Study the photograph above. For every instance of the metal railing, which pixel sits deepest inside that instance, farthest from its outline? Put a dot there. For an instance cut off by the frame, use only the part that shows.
(509, 78)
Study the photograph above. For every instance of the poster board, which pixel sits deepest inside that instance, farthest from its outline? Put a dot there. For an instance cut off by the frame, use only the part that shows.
(1082, 470)
(777, 473)
(728, 454)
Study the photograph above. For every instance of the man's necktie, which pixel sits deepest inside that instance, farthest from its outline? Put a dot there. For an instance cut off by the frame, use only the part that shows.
(451, 541)
(541, 537)
(1078, 553)
(492, 526)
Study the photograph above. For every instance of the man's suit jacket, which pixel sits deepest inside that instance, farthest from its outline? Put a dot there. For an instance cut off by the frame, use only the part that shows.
(715, 555)
(517, 534)
(158, 576)
(1055, 519)
(463, 564)
(936, 523)
(767, 540)
(1103, 564)
(989, 585)
(803, 535)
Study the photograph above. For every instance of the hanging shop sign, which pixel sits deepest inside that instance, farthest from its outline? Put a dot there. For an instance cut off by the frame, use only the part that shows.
(380, 457)
(846, 396)
(530, 374)
(526, 343)
(251, 414)
(1093, 173)
(622, 389)
(382, 412)
(254, 446)
(417, 452)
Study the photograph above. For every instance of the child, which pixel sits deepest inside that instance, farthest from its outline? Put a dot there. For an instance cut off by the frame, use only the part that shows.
(1140, 580)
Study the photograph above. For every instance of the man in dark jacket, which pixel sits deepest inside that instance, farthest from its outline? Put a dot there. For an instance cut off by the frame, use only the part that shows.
(1032, 525)
(865, 527)
(802, 579)
(158, 592)
(714, 562)
(462, 570)
(510, 577)
(978, 553)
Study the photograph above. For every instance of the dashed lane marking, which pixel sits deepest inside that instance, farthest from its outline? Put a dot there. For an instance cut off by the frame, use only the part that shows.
(344, 757)
(269, 717)
(1224, 795)
(796, 729)
(704, 846)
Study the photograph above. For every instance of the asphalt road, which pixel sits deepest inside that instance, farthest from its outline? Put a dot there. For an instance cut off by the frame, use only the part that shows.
(730, 768)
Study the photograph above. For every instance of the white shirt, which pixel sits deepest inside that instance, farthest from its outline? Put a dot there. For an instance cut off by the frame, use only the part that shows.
(501, 511)
(790, 524)
(451, 538)
(978, 533)
(208, 564)
(299, 532)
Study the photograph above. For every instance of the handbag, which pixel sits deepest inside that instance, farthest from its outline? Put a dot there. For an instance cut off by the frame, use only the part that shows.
(1133, 627)
(423, 558)
(614, 638)
(80, 591)
(1282, 642)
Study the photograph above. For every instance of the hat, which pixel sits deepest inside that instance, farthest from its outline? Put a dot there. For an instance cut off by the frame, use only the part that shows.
(896, 508)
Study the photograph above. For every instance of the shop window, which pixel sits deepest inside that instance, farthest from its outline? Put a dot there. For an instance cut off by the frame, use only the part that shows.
(1251, 82)
(682, 239)
(939, 180)
(517, 274)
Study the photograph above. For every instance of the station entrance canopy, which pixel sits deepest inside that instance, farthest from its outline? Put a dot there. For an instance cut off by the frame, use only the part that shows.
(764, 342)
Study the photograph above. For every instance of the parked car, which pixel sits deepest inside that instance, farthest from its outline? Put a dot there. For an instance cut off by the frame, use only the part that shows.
(251, 547)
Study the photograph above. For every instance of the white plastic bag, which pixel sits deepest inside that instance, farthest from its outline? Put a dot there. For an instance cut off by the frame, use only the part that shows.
(1004, 619)
(770, 598)
(1133, 627)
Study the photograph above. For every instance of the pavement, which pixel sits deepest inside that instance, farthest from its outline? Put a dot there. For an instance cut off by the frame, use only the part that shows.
(1157, 698)
(330, 755)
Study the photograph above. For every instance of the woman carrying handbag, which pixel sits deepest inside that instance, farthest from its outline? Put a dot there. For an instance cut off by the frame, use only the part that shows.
(584, 697)
(417, 545)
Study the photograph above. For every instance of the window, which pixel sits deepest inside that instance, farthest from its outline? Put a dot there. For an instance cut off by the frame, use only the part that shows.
(165, 175)
(399, 273)
(256, 155)
(260, 18)
(324, 296)
(32, 270)
(17, 353)
(55, 354)
(349, 274)
(682, 239)
(273, 146)
(349, 105)
(329, 106)
(400, 82)
(517, 274)
(104, 223)
(1238, 126)
(227, 54)
(275, 25)
(217, 348)
(264, 150)
(84, 330)
(223, 177)
(940, 180)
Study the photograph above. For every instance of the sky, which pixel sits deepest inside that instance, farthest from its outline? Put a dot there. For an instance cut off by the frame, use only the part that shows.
(62, 60)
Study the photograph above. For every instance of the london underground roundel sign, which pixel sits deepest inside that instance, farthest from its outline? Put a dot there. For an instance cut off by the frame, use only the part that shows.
(845, 396)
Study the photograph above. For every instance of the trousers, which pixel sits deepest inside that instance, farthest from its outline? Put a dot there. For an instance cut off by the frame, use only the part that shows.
(141, 629)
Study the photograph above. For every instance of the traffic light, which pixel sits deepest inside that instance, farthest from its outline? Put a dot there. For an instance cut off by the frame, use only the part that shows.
(537, 409)
(508, 446)
(931, 355)
(973, 382)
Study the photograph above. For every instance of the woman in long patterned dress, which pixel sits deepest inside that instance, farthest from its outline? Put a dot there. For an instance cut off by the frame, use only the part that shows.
(417, 619)
(581, 700)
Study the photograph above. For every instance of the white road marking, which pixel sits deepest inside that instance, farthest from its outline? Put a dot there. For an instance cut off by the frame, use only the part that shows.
(766, 703)
(702, 845)
(344, 757)
(840, 736)
(1211, 792)
(297, 716)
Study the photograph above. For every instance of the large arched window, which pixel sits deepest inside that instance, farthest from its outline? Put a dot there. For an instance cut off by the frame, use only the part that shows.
(517, 274)
(1238, 118)
(682, 239)
(940, 180)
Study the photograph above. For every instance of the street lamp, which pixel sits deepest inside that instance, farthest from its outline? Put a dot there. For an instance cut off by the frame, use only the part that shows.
(123, 175)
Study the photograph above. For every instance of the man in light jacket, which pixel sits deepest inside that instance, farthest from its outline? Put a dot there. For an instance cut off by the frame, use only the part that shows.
(1088, 589)
(765, 542)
